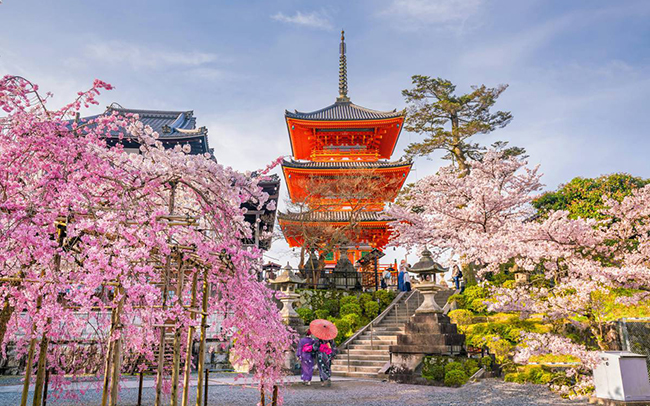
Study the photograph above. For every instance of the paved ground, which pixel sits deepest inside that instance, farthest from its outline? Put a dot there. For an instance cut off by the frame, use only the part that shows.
(224, 391)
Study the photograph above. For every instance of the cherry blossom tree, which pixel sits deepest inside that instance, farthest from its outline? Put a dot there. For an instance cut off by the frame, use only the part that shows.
(86, 229)
(572, 263)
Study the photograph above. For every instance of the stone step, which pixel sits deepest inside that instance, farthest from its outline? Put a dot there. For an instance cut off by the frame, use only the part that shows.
(380, 337)
(366, 355)
(340, 368)
(377, 347)
(375, 342)
(355, 374)
(359, 362)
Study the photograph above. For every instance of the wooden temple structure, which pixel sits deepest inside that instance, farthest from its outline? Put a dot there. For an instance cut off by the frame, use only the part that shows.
(179, 128)
(333, 145)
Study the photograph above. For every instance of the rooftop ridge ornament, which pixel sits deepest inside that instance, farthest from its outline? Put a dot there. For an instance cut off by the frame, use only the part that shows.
(343, 73)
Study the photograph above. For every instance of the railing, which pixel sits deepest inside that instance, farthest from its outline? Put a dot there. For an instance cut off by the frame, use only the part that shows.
(394, 305)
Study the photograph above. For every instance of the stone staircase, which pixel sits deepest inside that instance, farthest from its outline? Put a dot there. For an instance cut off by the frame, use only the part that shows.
(367, 353)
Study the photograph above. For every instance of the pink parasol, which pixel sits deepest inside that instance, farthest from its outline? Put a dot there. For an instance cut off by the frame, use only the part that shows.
(323, 329)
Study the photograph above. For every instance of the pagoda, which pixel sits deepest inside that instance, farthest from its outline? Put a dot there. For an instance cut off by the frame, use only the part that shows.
(334, 144)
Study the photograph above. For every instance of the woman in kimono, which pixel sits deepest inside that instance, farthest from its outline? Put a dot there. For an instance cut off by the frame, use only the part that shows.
(325, 352)
(305, 353)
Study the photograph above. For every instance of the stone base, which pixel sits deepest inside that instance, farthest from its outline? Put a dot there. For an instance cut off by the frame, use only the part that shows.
(611, 402)
(425, 334)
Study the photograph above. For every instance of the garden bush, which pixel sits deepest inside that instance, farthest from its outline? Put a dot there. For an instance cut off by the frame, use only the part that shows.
(371, 309)
(385, 297)
(364, 298)
(351, 308)
(455, 377)
(461, 317)
(343, 326)
(307, 315)
(486, 362)
(433, 372)
(345, 300)
(454, 365)
(322, 314)
(353, 319)
(471, 367)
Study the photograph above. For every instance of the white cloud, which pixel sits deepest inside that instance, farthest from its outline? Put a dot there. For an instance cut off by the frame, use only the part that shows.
(314, 19)
(441, 12)
(121, 53)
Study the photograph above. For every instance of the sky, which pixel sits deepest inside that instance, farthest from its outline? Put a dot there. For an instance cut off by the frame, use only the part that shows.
(578, 70)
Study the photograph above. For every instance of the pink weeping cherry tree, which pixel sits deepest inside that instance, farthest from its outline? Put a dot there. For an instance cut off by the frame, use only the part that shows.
(85, 228)
(485, 218)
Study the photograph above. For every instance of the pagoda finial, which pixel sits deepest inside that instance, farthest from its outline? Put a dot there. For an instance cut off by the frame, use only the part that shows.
(343, 72)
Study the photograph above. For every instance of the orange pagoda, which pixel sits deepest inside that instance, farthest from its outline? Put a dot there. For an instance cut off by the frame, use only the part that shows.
(335, 145)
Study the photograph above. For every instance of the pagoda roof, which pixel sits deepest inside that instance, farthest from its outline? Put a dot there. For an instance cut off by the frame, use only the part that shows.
(344, 111)
(334, 216)
(345, 164)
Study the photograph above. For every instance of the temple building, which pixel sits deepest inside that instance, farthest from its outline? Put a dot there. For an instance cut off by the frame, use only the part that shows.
(179, 128)
(342, 146)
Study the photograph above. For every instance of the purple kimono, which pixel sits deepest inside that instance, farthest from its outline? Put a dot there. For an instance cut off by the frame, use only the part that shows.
(305, 354)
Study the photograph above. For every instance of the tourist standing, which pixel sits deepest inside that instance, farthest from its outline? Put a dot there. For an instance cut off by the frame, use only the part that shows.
(385, 278)
(305, 354)
(326, 351)
(407, 280)
(400, 275)
(456, 276)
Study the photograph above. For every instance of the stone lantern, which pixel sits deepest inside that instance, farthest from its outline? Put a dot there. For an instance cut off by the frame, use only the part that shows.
(287, 283)
(426, 267)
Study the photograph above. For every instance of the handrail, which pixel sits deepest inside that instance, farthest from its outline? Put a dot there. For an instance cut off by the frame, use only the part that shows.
(376, 320)
(447, 306)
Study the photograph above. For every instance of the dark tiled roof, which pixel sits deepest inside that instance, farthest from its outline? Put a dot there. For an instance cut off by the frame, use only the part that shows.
(344, 111)
(346, 164)
(335, 216)
(165, 123)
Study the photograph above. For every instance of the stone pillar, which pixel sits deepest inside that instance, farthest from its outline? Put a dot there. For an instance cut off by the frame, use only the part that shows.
(428, 290)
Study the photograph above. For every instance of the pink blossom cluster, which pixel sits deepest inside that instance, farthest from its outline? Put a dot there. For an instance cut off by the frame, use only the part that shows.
(84, 226)
(485, 218)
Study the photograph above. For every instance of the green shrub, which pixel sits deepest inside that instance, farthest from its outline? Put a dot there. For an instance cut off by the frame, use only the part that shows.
(452, 366)
(345, 300)
(353, 319)
(364, 298)
(351, 308)
(461, 317)
(343, 326)
(322, 314)
(432, 370)
(510, 377)
(478, 305)
(385, 297)
(455, 377)
(471, 367)
(486, 362)
(305, 314)
(371, 309)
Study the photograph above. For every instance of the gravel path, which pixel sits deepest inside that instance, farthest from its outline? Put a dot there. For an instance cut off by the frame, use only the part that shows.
(352, 393)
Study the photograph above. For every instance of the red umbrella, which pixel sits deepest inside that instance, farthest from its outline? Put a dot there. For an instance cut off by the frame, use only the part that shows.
(323, 329)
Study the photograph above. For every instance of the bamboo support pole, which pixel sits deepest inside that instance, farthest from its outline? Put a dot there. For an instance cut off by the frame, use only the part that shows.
(117, 351)
(40, 371)
(28, 371)
(161, 347)
(188, 349)
(177, 337)
(204, 322)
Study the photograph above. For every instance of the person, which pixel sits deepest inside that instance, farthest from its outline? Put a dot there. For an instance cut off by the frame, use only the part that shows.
(385, 278)
(400, 275)
(305, 353)
(457, 275)
(407, 280)
(325, 352)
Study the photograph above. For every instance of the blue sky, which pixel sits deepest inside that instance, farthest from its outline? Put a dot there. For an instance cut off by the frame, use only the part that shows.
(577, 69)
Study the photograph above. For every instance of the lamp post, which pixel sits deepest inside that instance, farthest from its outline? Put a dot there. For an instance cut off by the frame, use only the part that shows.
(425, 267)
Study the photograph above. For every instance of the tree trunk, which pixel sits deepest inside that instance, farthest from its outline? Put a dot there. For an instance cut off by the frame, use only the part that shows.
(5, 315)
